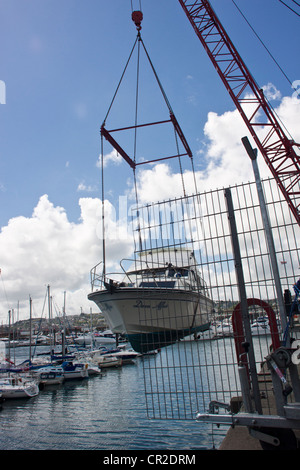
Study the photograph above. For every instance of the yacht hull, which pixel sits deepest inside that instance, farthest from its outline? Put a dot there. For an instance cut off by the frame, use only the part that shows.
(153, 318)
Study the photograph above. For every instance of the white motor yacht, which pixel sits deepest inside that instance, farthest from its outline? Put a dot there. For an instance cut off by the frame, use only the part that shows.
(160, 300)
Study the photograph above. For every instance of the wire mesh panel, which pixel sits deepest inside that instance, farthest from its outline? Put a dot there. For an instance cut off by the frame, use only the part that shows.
(186, 270)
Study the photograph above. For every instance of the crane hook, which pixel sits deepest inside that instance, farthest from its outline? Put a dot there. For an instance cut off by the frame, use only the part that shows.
(137, 17)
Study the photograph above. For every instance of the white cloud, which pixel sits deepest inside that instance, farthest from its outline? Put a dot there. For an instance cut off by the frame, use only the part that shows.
(289, 113)
(47, 248)
(86, 188)
(226, 161)
(112, 157)
(271, 92)
(158, 183)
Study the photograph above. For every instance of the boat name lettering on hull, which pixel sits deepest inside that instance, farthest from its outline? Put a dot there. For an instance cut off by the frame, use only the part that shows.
(159, 306)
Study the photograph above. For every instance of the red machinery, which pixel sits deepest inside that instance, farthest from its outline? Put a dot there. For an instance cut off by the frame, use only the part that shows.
(276, 147)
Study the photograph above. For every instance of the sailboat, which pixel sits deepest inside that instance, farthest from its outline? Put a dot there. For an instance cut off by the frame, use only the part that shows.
(17, 386)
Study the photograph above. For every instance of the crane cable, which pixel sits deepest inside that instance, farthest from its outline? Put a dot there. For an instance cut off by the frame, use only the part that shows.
(275, 61)
(139, 42)
(290, 7)
(264, 45)
(140, 2)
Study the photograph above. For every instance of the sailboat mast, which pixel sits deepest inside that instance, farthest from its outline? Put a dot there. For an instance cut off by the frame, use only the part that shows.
(9, 328)
(30, 332)
(103, 209)
(63, 345)
(50, 317)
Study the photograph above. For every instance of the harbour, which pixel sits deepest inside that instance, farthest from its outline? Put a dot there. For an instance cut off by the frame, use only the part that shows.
(198, 288)
(174, 399)
(106, 412)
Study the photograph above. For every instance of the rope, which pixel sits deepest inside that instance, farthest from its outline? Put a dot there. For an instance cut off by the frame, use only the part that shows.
(290, 7)
(275, 61)
(139, 41)
(140, 3)
(4, 290)
(103, 209)
(121, 79)
(40, 325)
(157, 79)
(137, 95)
(264, 45)
(180, 166)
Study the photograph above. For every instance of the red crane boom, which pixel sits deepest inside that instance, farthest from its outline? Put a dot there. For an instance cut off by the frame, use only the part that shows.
(277, 149)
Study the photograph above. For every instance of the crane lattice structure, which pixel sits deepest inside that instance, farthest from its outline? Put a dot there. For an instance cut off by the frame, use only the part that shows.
(277, 148)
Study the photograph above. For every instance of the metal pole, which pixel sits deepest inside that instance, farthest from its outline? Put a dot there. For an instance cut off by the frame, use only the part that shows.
(267, 226)
(63, 342)
(103, 210)
(243, 299)
(30, 327)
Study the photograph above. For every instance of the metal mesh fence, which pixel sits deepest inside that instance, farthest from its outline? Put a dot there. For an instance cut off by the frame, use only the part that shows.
(197, 367)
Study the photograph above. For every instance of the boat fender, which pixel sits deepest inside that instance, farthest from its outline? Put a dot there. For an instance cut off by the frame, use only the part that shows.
(86, 366)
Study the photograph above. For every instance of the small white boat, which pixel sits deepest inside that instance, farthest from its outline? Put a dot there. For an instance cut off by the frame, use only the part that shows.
(105, 337)
(73, 370)
(92, 368)
(97, 338)
(260, 326)
(126, 356)
(50, 375)
(18, 387)
(41, 339)
(84, 340)
(223, 330)
(106, 361)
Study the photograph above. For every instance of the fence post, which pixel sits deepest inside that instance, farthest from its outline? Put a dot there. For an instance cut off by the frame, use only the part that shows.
(243, 300)
(267, 227)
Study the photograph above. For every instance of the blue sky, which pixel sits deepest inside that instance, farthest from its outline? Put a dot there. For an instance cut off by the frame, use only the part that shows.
(61, 61)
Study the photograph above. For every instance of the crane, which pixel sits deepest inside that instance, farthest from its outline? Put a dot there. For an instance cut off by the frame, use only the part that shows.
(278, 150)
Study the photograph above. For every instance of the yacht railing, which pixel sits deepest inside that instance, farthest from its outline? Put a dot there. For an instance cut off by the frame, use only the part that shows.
(153, 274)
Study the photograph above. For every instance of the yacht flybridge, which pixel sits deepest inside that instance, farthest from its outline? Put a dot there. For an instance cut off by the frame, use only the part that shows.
(160, 300)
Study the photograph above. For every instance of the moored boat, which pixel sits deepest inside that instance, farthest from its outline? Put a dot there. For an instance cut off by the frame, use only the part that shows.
(17, 386)
(105, 337)
(50, 375)
(126, 356)
(96, 338)
(102, 358)
(105, 362)
(73, 370)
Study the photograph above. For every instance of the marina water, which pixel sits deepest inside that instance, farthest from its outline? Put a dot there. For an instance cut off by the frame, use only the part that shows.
(105, 412)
